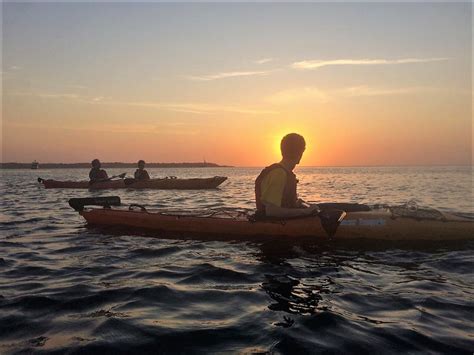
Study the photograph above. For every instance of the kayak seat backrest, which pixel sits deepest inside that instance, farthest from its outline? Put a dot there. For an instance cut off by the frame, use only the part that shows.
(78, 204)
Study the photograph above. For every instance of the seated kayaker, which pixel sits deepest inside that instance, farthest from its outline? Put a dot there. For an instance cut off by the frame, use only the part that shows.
(141, 173)
(97, 174)
(275, 187)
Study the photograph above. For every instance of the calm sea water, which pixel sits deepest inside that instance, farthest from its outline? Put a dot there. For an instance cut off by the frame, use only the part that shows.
(68, 288)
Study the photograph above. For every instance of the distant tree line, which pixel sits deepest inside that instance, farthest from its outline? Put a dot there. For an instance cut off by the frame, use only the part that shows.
(109, 165)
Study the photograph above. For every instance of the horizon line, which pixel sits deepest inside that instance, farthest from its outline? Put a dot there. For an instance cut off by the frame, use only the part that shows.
(256, 166)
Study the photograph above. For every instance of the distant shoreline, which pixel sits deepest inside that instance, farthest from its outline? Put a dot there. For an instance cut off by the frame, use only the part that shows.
(110, 165)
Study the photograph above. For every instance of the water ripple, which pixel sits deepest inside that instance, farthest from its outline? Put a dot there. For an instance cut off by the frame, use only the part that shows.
(65, 288)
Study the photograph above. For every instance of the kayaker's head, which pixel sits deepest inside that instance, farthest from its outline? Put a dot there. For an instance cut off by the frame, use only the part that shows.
(141, 164)
(96, 164)
(292, 148)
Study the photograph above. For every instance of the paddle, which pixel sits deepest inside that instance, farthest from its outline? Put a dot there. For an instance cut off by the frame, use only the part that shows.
(345, 206)
(79, 203)
(121, 176)
(130, 181)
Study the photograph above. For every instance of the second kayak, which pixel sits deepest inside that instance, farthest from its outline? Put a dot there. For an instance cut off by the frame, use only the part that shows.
(161, 184)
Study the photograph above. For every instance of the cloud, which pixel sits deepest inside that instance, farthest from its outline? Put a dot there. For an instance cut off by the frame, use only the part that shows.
(130, 127)
(59, 96)
(298, 95)
(81, 87)
(199, 108)
(370, 91)
(48, 95)
(186, 107)
(226, 75)
(10, 70)
(143, 128)
(315, 64)
(316, 95)
(264, 60)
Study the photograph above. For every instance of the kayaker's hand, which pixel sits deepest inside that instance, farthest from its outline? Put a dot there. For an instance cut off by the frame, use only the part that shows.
(312, 210)
(301, 203)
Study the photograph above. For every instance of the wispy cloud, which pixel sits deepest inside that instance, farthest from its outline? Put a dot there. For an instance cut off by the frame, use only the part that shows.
(75, 86)
(10, 70)
(298, 95)
(315, 64)
(144, 128)
(134, 127)
(371, 91)
(186, 107)
(226, 75)
(264, 60)
(48, 95)
(314, 95)
(199, 108)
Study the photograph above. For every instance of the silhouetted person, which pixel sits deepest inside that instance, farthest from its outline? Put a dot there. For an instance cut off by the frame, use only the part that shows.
(275, 187)
(97, 174)
(141, 173)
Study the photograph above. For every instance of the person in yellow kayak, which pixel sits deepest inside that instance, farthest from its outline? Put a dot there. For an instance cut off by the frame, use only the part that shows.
(275, 187)
(141, 173)
(97, 174)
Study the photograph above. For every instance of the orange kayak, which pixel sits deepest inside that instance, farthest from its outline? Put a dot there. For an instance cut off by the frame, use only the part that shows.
(161, 184)
(371, 223)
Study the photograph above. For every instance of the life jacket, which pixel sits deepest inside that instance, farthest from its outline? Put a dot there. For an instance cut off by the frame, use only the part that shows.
(141, 175)
(289, 193)
(97, 174)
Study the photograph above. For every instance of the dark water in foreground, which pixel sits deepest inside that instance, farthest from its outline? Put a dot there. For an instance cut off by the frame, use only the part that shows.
(67, 288)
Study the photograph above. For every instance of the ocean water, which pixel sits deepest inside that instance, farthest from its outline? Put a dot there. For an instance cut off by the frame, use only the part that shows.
(66, 288)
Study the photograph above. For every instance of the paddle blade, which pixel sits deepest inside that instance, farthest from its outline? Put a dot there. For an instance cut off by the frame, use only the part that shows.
(107, 201)
(330, 220)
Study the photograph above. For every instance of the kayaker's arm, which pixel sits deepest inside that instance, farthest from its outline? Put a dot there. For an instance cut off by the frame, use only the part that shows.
(272, 210)
(300, 203)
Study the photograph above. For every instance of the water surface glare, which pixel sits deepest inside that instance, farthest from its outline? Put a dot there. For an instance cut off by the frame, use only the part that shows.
(68, 288)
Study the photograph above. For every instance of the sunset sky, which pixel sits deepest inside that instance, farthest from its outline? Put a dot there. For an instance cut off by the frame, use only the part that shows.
(365, 83)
